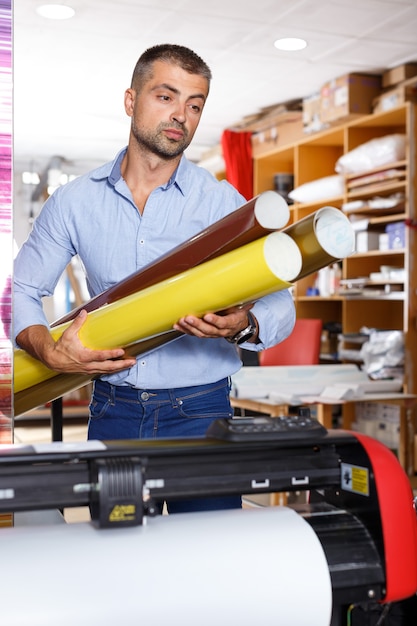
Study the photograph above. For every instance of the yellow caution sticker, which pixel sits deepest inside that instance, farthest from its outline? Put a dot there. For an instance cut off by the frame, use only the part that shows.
(122, 513)
(355, 478)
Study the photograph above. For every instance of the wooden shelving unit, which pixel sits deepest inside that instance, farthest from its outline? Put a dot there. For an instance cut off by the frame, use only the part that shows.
(315, 157)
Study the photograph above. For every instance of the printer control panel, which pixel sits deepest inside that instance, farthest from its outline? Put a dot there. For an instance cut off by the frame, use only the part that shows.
(264, 428)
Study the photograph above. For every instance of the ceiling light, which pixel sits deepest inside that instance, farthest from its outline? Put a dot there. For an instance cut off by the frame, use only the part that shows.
(55, 11)
(290, 43)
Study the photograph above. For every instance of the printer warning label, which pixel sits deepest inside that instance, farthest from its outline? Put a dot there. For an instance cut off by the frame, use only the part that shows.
(122, 513)
(355, 479)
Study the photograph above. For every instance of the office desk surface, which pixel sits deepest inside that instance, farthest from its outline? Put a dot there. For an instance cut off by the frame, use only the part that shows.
(271, 390)
(290, 383)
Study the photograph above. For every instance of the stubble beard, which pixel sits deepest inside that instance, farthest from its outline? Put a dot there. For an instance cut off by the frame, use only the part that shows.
(158, 143)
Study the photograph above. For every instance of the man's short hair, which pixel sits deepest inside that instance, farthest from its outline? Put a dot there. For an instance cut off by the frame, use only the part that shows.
(169, 53)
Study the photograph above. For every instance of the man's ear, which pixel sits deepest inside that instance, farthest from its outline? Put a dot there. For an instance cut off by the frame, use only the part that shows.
(130, 95)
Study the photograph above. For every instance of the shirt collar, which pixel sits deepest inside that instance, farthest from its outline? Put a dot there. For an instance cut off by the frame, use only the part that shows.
(111, 170)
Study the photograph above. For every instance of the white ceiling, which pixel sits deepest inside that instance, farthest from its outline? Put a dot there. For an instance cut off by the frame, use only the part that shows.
(70, 75)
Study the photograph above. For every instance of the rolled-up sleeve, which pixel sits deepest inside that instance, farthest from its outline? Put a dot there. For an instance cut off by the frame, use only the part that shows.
(38, 266)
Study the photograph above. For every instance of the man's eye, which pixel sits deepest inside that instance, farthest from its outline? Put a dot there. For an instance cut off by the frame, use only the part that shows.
(195, 108)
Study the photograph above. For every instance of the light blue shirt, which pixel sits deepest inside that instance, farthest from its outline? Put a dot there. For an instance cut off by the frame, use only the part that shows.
(95, 217)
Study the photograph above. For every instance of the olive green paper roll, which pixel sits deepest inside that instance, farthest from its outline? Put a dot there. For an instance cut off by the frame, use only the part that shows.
(323, 237)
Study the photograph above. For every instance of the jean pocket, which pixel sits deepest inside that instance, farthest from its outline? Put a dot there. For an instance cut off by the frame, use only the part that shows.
(98, 406)
(214, 404)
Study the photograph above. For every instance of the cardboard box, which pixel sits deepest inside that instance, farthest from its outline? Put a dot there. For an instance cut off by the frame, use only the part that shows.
(367, 240)
(348, 95)
(395, 98)
(398, 74)
(311, 114)
(285, 129)
(396, 235)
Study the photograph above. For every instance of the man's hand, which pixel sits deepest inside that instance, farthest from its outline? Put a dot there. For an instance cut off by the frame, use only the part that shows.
(68, 354)
(213, 325)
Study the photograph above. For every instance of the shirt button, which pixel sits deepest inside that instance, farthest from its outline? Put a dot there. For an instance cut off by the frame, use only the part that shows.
(144, 396)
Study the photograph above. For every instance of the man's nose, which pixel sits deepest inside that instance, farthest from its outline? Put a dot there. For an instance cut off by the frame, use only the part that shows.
(179, 114)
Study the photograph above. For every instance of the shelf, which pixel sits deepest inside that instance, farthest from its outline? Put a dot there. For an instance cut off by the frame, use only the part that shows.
(396, 213)
(334, 298)
(376, 170)
(350, 355)
(366, 282)
(313, 206)
(378, 188)
(394, 295)
(378, 179)
(358, 338)
(393, 117)
(333, 136)
(371, 253)
(387, 219)
(315, 156)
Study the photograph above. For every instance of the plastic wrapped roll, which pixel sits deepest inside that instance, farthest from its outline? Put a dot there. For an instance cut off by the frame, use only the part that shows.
(246, 567)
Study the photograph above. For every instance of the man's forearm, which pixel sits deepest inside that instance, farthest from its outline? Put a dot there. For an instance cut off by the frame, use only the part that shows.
(36, 340)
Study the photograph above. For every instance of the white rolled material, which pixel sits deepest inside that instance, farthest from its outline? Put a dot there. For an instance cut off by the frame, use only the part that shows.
(246, 567)
(271, 210)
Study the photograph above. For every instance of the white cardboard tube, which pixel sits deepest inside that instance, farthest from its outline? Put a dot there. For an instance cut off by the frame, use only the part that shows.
(271, 210)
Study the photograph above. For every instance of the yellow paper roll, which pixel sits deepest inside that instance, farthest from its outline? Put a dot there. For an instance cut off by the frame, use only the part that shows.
(61, 384)
(248, 273)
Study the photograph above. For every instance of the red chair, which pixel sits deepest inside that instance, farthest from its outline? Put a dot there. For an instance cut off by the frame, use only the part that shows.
(302, 347)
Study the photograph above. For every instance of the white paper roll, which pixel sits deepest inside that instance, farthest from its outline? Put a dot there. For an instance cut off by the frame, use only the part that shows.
(271, 210)
(248, 567)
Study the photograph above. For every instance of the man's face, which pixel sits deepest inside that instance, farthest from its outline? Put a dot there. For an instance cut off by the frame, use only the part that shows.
(166, 112)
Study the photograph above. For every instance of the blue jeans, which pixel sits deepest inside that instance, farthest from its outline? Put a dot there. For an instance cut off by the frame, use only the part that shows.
(118, 412)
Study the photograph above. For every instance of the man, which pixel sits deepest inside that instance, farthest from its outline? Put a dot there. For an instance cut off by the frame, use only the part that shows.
(118, 219)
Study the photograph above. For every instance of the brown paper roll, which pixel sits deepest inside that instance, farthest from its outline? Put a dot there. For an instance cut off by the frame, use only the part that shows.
(261, 215)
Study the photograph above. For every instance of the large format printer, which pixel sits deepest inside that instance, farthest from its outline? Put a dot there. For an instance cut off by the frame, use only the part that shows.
(354, 541)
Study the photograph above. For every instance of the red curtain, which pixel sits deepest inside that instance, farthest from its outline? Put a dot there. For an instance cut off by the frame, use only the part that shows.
(237, 154)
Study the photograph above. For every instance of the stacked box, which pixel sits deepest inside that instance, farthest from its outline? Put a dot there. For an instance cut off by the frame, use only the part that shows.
(311, 113)
(396, 235)
(348, 95)
(380, 421)
(367, 240)
(395, 98)
(284, 129)
(398, 74)
(399, 86)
